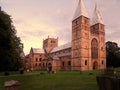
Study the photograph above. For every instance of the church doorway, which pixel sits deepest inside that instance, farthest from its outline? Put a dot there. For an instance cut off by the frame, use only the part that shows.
(95, 65)
(49, 67)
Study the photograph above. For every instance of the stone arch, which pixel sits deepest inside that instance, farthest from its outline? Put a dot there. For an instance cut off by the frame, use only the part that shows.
(95, 65)
(49, 67)
(94, 48)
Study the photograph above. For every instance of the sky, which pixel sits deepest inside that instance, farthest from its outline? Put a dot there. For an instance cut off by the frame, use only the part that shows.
(35, 20)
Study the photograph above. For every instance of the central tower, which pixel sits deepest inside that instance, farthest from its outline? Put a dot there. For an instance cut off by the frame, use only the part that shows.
(80, 38)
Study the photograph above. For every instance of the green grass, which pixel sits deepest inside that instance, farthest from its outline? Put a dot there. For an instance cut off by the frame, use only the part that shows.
(62, 80)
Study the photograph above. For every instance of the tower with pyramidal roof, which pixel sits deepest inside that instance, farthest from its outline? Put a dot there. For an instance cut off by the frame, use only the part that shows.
(88, 40)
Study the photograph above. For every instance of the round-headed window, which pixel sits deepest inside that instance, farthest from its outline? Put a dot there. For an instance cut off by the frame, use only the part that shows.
(94, 48)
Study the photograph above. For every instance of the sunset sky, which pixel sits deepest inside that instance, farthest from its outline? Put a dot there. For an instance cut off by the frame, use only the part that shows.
(36, 19)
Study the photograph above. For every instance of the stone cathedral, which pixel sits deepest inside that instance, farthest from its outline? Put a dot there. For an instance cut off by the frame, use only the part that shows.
(86, 51)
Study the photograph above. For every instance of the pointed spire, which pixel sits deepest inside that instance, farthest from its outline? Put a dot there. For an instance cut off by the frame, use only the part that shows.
(81, 10)
(96, 16)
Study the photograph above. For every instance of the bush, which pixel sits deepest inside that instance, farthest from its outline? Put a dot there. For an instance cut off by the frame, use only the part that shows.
(6, 73)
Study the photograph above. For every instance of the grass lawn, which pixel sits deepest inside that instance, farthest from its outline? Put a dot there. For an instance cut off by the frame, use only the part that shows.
(62, 80)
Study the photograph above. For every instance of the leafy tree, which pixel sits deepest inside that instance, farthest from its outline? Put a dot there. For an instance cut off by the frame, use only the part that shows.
(9, 44)
(113, 54)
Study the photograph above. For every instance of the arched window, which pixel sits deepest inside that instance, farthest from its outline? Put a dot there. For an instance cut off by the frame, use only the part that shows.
(94, 48)
(36, 59)
(63, 63)
(102, 61)
(69, 63)
(40, 59)
(85, 62)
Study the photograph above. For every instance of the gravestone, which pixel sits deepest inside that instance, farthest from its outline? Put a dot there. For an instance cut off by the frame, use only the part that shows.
(12, 85)
(109, 80)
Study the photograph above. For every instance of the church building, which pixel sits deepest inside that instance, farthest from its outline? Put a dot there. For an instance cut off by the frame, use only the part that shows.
(86, 50)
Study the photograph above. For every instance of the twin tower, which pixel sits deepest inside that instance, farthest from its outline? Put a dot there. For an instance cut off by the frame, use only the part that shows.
(87, 50)
(88, 40)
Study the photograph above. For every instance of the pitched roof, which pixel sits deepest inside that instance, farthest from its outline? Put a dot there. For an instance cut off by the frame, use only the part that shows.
(81, 10)
(96, 17)
(57, 57)
(64, 54)
(62, 47)
(37, 50)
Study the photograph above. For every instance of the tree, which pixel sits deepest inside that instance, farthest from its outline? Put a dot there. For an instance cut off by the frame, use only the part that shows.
(9, 44)
(113, 54)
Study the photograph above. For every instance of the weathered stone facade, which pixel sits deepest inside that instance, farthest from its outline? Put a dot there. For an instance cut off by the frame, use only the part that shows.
(33, 61)
(85, 52)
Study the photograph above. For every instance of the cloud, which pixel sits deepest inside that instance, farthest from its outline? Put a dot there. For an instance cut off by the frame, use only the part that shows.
(111, 16)
(36, 19)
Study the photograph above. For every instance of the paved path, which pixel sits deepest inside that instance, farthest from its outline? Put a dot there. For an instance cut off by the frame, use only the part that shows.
(26, 74)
